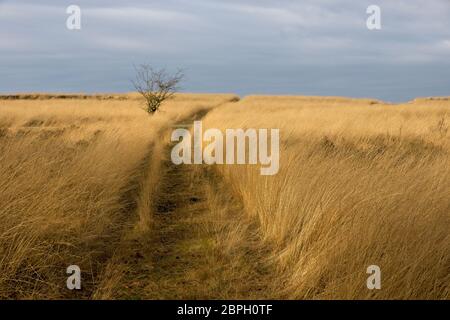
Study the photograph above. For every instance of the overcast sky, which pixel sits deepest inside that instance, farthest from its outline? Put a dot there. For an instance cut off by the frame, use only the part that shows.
(312, 47)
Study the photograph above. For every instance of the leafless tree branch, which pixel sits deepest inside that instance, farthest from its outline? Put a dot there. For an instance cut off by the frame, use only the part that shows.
(155, 85)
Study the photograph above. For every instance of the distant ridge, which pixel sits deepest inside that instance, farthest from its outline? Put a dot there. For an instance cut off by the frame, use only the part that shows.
(136, 96)
(48, 96)
(104, 96)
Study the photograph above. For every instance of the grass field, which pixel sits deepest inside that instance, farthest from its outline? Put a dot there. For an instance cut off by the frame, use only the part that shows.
(87, 180)
(361, 183)
(68, 170)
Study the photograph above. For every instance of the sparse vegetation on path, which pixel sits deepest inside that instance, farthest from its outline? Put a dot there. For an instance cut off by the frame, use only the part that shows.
(182, 256)
(199, 245)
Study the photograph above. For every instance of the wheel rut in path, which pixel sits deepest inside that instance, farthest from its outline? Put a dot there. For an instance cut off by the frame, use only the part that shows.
(187, 253)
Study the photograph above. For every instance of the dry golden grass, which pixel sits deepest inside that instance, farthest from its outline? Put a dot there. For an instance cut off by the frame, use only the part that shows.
(68, 172)
(361, 183)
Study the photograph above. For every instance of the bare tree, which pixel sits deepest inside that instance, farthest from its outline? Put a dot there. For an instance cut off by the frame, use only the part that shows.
(156, 85)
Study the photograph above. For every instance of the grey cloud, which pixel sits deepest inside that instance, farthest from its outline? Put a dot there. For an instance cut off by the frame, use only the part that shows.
(298, 47)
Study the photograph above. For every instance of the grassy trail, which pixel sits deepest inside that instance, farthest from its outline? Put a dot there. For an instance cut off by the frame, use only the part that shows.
(183, 255)
(178, 247)
(200, 244)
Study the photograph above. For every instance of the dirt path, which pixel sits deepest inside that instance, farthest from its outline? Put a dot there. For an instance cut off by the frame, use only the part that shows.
(178, 244)
(200, 244)
(182, 256)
